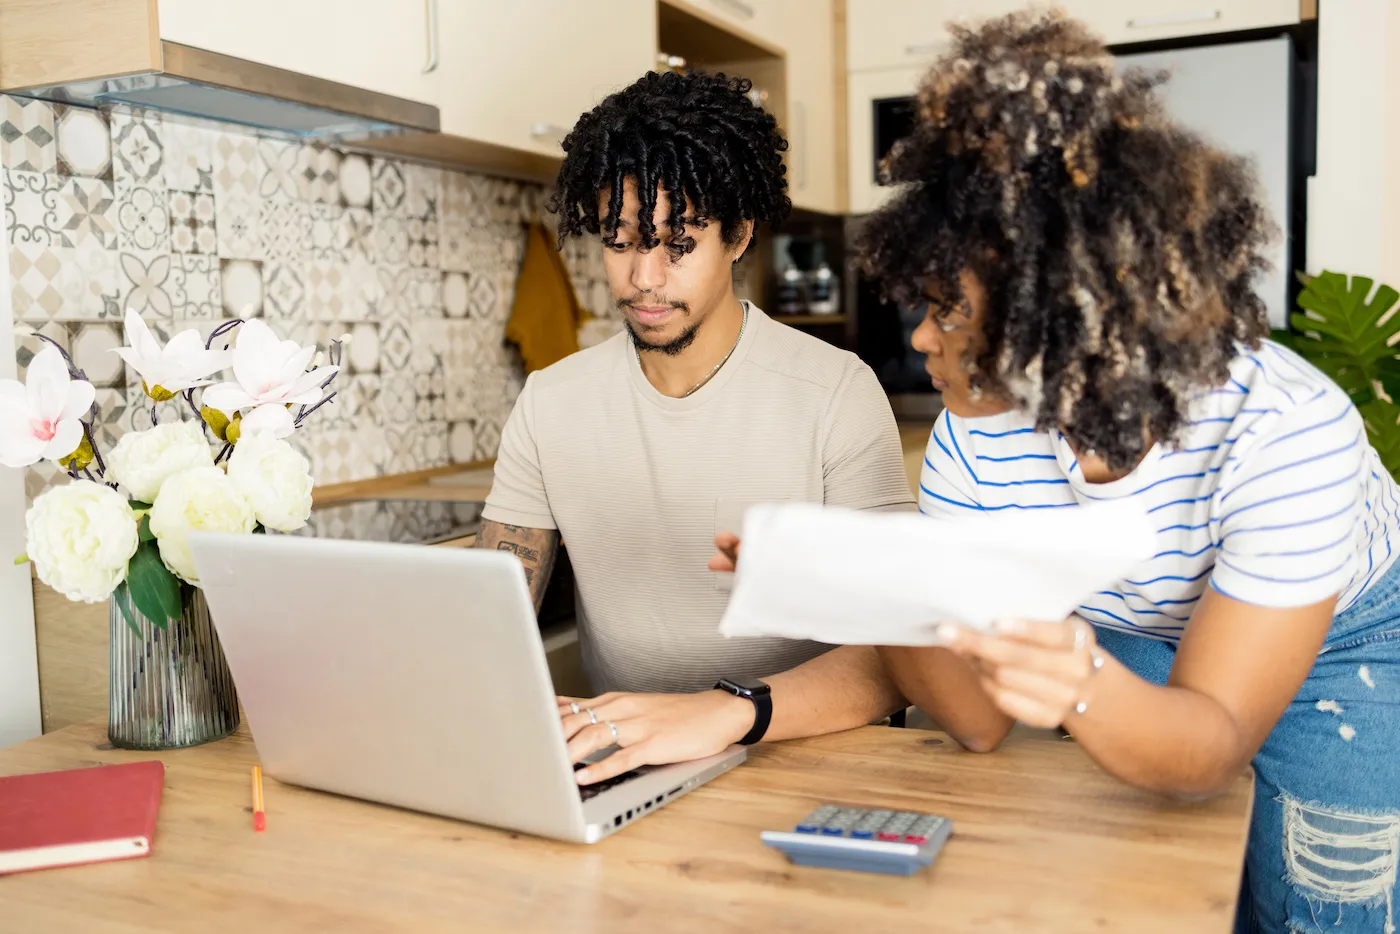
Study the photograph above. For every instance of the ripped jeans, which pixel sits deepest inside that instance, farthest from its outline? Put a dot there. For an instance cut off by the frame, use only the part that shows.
(1325, 835)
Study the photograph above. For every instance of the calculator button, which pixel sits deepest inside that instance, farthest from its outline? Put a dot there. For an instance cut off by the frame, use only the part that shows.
(893, 837)
(915, 838)
(807, 828)
(833, 831)
(862, 834)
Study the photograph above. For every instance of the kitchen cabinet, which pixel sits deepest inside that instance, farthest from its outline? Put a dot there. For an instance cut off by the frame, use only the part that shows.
(903, 33)
(372, 44)
(809, 39)
(768, 20)
(520, 73)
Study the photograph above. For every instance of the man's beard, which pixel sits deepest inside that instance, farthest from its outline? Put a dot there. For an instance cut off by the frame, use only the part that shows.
(670, 348)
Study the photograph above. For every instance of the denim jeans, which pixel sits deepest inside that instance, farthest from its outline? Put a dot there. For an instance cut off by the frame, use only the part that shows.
(1325, 834)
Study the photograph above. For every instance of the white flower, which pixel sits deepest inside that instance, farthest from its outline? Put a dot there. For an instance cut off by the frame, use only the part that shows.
(143, 460)
(203, 499)
(80, 538)
(274, 478)
(44, 419)
(182, 364)
(269, 375)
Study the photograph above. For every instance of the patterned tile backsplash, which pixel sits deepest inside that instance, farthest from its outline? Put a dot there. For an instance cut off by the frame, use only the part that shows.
(192, 224)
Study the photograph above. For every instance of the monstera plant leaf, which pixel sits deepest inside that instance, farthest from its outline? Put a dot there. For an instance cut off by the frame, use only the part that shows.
(1354, 337)
(1346, 333)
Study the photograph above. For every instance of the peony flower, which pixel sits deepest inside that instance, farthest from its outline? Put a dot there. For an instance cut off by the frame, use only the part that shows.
(80, 538)
(182, 364)
(43, 419)
(200, 498)
(143, 460)
(269, 375)
(274, 479)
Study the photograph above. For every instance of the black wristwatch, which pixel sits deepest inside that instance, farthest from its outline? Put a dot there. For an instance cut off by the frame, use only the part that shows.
(761, 695)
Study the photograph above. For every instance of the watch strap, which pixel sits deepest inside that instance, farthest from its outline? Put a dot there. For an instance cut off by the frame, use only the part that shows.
(762, 716)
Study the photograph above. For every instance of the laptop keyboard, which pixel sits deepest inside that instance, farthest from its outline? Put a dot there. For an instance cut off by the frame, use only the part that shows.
(592, 791)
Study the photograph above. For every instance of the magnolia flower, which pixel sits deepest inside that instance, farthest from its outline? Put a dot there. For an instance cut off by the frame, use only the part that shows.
(274, 479)
(181, 364)
(269, 376)
(44, 419)
(200, 498)
(80, 538)
(143, 460)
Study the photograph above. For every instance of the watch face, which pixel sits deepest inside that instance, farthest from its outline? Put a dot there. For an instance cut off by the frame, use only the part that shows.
(744, 686)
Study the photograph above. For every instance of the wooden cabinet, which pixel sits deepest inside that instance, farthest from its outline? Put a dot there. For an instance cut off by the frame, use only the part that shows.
(520, 73)
(904, 33)
(809, 41)
(372, 44)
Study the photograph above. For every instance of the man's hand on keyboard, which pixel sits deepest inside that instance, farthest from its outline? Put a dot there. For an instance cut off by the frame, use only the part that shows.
(651, 729)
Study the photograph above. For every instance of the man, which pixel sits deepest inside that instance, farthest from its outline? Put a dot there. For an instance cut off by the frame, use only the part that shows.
(639, 451)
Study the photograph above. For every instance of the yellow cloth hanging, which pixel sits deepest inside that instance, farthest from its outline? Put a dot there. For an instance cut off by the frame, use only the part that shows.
(546, 315)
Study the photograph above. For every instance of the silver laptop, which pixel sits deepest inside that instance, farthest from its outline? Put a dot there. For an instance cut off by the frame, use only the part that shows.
(412, 676)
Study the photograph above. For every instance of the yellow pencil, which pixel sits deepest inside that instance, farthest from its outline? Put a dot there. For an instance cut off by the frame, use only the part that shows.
(259, 816)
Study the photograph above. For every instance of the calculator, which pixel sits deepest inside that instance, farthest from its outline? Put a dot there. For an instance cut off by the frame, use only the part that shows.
(863, 839)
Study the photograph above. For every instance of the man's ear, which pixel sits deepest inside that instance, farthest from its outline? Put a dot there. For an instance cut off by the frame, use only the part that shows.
(746, 240)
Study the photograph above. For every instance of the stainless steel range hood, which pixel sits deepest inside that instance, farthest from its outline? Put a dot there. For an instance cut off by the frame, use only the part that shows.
(200, 84)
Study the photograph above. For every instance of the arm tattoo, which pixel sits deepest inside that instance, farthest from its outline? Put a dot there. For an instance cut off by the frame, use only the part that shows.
(536, 549)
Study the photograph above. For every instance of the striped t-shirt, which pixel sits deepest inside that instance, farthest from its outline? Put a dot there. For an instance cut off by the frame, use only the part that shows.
(1274, 496)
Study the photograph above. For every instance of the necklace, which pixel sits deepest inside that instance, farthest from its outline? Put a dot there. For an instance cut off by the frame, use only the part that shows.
(725, 359)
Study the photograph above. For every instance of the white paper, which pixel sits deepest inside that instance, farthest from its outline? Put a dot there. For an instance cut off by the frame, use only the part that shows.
(878, 578)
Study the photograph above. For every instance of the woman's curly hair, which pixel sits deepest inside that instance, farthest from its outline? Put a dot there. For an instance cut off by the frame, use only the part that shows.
(716, 154)
(1118, 251)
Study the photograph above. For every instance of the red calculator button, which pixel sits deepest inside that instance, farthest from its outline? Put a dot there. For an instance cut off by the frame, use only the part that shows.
(912, 838)
(889, 836)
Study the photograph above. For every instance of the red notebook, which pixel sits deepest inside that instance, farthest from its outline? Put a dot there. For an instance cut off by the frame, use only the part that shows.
(79, 815)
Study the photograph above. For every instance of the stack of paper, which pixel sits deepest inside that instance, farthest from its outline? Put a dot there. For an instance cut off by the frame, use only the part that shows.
(878, 578)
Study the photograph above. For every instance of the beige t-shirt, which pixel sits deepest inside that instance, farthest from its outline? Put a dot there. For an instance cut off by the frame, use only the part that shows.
(639, 483)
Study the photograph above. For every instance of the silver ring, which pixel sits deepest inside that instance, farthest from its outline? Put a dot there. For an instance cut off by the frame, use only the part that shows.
(592, 717)
(1081, 635)
(573, 706)
(1095, 663)
(1081, 707)
(613, 726)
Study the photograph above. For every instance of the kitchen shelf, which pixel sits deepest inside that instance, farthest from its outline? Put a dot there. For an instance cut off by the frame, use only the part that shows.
(803, 320)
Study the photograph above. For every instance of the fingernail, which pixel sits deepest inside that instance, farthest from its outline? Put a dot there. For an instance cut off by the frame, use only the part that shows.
(1009, 627)
(581, 776)
(947, 633)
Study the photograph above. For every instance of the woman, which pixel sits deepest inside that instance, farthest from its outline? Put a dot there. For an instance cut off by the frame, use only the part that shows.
(1088, 269)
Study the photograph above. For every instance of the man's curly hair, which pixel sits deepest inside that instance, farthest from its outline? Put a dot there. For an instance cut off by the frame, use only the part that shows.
(716, 154)
(1118, 251)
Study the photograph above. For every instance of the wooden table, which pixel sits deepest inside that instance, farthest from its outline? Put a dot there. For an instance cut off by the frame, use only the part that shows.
(1044, 842)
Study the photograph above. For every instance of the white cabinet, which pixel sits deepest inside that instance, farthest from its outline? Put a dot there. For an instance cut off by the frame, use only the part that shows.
(905, 33)
(373, 44)
(809, 38)
(901, 33)
(519, 73)
(1146, 20)
(865, 89)
(769, 20)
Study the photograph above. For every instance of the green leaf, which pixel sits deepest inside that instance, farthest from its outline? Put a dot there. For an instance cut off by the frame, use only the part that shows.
(143, 529)
(1350, 335)
(154, 590)
(21, 559)
(122, 597)
(138, 506)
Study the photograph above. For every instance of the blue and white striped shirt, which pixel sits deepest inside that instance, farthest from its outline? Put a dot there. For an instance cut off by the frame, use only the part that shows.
(1274, 497)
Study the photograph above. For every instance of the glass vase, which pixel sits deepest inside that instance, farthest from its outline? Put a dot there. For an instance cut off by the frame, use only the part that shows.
(170, 687)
